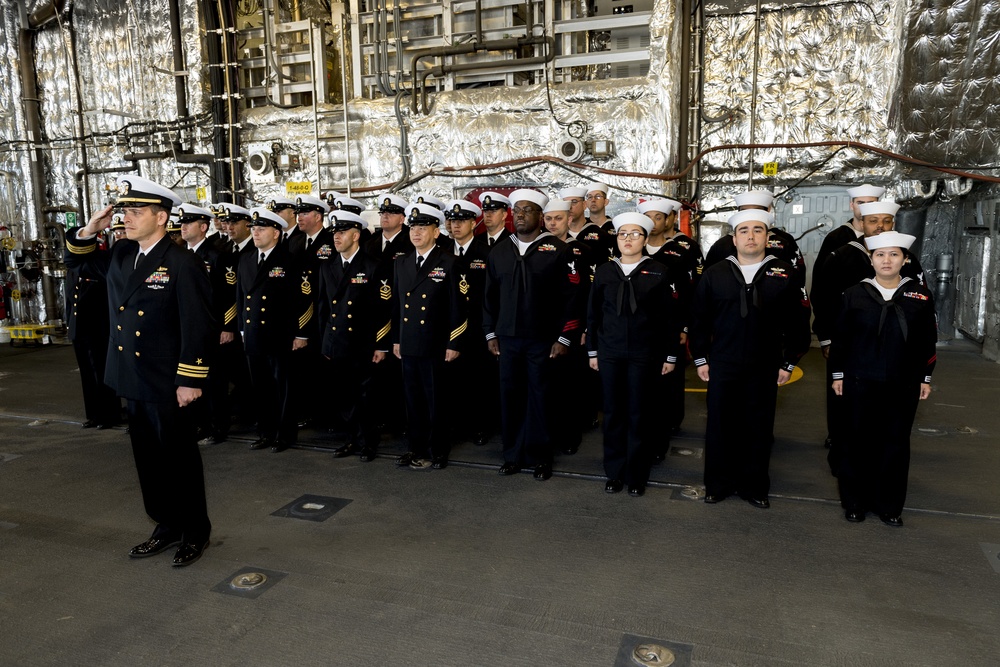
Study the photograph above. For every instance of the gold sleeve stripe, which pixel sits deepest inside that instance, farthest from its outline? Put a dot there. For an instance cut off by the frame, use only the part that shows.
(230, 315)
(197, 376)
(306, 316)
(459, 330)
(81, 249)
(383, 331)
(139, 200)
(193, 368)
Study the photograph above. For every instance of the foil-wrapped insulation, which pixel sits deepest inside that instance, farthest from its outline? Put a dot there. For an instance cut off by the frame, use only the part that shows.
(824, 74)
(948, 100)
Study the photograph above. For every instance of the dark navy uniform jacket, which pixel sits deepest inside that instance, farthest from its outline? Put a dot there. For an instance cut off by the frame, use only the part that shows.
(634, 316)
(881, 340)
(597, 241)
(355, 308)
(844, 268)
(429, 310)
(221, 268)
(274, 301)
(399, 246)
(534, 295)
(763, 323)
(319, 251)
(160, 316)
(86, 306)
(471, 270)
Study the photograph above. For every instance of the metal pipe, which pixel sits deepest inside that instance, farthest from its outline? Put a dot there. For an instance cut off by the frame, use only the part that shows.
(441, 70)
(220, 174)
(753, 92)
(683, 140)
(81, 174)
(346, 96)
(230, 106)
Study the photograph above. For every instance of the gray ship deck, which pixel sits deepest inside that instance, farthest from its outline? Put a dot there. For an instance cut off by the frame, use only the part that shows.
(463, 567)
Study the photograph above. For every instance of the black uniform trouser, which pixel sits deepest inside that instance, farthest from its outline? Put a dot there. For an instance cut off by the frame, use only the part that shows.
(170, 471)
(100, 403)
(311, 392)
(387, 385)
(673, 393)
(424, 389)
(471, 386)
(272, 389)
(876, 450)
(236, 370)
(628, 412)
(837, 417)
(525, 372)
(741, 404)
(352, 400)
(571, 403)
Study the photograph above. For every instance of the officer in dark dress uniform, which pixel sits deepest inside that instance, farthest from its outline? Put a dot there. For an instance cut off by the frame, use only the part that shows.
(633, 338)
(214, 415)
(429, 323)
(87, 329)
(852, 230)
(311, 248)
(495, 209)
(751, 324)
(354, 320)
(160, 336)
(345, 203)
(529, 318)
(883, 354)
(468, 383)
(583, 230)
(285, 208)
(276, 311)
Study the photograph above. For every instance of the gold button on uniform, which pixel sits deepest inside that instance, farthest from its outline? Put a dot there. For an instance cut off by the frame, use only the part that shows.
(119, 327)
(120, 348)
(137, 354)
(141, 313)
(406, 319)
(248, 321)
(136, 333)
(350, 303)
(121, 308)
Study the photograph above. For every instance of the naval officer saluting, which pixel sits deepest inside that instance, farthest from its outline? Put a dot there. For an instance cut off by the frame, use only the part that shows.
(161, 329)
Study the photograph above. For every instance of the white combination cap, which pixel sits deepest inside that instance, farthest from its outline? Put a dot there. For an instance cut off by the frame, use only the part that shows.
(423, 214)
(263, 217)
(305, 203)
(429, 199)
(192, 213)
(139, 190)
(492, 201)
(342, 220)
(461, 209)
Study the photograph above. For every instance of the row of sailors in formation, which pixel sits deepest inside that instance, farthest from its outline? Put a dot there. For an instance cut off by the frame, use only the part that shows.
(560, 294)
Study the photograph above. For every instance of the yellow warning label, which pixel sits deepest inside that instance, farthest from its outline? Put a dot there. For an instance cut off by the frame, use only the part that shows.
(201, 193)
(770, 169)
(15, 295)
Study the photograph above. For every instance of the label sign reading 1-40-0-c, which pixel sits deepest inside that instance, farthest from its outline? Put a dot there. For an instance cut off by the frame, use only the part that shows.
(298, 187)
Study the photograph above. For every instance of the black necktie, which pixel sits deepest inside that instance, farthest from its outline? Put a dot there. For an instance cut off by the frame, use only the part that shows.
(138, 260)
(261, 260)
(492, 240)
(420, 260)
(347, 267)
(461, 252)
(309, 242)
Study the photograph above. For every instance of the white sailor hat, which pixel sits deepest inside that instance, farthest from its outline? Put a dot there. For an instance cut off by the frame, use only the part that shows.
(428, 199)
(573, 193)
(597, 186)
(279, 203)
(660, 204)
(754, 198)
(342, 220)
(191, 213)
(750, 215)
(423, 214)
(865, 190)
(228, 211)
(632, 218)
(461, 209)
(138, 191)
(527, 194)
(390, 203)
(492, 201)
(262, 217)
(305, 203)
(330, 197)
(118, 221)
(878, 208)
(349, 204)
(890, 240)
(555, 205)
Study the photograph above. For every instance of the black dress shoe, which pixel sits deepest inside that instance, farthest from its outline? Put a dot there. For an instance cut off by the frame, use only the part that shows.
(405, 460)
(760, 503)
(279, 446)
(480, 439)
(890, 520)
(104, 426)
(855, 516)
(345, 450)
(212, 440)
(188, 553)
(613, 486)
(440, 462)
(636, 491)
(261, 443)
(509, 469)
(712, 498)
(152, 546)
(828, 443)
(367, 454)
(90, 423)
(543, 472)
(570, 451)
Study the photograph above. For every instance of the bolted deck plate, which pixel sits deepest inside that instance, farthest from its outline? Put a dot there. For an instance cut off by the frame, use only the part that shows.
(312, 508)
(636, 651)
(249, 582)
